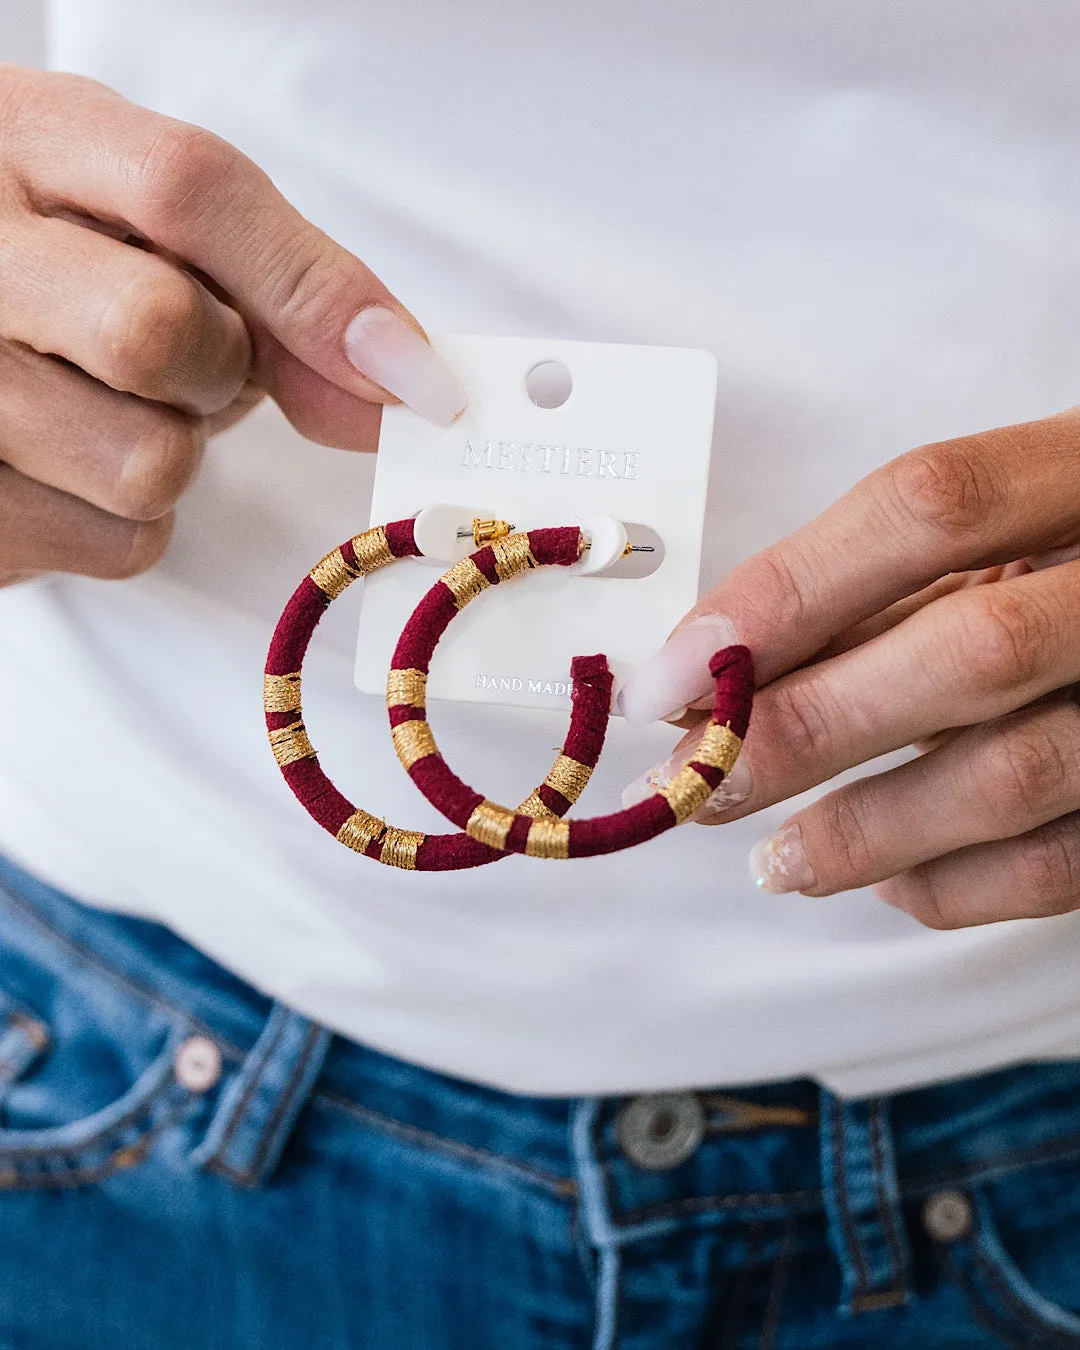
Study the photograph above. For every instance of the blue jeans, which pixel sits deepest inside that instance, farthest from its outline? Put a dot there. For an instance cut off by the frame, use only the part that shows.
(184, 1163)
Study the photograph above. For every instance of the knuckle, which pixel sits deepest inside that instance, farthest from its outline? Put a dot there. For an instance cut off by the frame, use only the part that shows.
(916, 894)
(305, 286)
(147, 328)
(158, 469)
(799, 724)
(950, 487)
(1003, 640)
(1027, 771)
(180, 169)
(772, 593)
(844, 854)
(1048, 868)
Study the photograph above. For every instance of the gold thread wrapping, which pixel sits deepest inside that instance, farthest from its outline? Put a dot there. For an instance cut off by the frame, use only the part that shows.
(685, 793)
(534, 806)
(372, 550)
(490, 824)
(406, 686)
(281, 693)
(400, 848)
(413, 741)
(332, 574)
(719, 747)
(569, 776)
(360, 830)
(465, 581)
(512, 555)
(291, 743)
(548, 838)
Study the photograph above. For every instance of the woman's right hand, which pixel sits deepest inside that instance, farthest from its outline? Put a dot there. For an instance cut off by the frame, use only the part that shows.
(153, 284)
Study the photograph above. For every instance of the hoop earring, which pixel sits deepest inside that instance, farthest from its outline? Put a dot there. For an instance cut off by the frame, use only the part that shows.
(513, 831)
(299, 763)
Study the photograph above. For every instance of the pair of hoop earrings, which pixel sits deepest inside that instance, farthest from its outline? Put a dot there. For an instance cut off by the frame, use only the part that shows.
(488, 831)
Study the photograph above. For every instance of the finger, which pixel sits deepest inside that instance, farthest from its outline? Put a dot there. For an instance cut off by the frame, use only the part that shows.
(43, 530)
(125, 316)
(196, 195)
(969, 657)
(1033, 876)
(994, 781)
(974, 502)
(319, 410)
(123, 454)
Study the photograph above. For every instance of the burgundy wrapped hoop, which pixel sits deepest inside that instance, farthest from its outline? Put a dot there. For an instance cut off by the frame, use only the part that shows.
(514, 831)
(299, 763)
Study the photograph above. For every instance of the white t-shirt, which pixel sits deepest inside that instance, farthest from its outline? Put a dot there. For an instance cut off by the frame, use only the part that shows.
(870, 215)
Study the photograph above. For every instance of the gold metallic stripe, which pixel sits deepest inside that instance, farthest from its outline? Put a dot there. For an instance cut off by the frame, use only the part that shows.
(534, 806)
(685, 793)
(569, 776)
(360, 830)
(372, 551)
(291, 743)
(719, 747)
(281, 693)
(413, 741)
(512, 555)
(406, 686)
(333, 574)
(548, 838)
(490, 824)
(400, 848)
(465, 581)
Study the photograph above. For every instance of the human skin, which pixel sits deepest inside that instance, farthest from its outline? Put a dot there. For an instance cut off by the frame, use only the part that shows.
(154, 286)
(936, 604)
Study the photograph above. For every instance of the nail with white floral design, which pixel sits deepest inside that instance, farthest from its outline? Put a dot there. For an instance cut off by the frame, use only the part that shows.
(779, 864)
(735, 788)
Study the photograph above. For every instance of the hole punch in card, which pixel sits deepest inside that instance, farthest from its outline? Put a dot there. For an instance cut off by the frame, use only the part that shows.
(555, 433)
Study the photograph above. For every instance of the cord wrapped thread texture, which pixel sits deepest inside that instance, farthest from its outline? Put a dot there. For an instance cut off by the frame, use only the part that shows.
(352, 826)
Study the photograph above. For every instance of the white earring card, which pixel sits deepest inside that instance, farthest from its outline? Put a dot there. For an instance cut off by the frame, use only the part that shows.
(631, 440)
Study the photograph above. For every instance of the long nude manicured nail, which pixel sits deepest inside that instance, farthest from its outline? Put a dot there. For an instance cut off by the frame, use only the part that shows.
(678, 673)
(779, 864)
(386, 349)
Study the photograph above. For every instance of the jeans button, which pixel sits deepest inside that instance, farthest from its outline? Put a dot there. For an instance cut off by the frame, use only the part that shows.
(197, 1064)
(947, 1215)
(662, 1130)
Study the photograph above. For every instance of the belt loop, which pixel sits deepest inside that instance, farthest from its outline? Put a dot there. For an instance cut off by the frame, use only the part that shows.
(862, 1203)
(259, 1107)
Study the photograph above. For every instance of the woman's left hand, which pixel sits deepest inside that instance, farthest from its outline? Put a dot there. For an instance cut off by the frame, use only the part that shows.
(872, 632)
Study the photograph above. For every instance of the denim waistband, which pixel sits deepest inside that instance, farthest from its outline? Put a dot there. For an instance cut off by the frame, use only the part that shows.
(765, 1149)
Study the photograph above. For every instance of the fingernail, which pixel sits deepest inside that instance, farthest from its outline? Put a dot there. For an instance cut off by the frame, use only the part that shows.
(733, 791)
(735, 788)
(779, 864)
(678, 673)
(386, 349)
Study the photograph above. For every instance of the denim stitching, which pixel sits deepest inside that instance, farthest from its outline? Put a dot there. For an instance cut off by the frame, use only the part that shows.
(1029, 1319)
(886, 1212)
(846, 1219)
(564, 1187)
(777, 1288)
(85, 1176)
(245, 1096)
(284, 1101)
(977, 1305)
